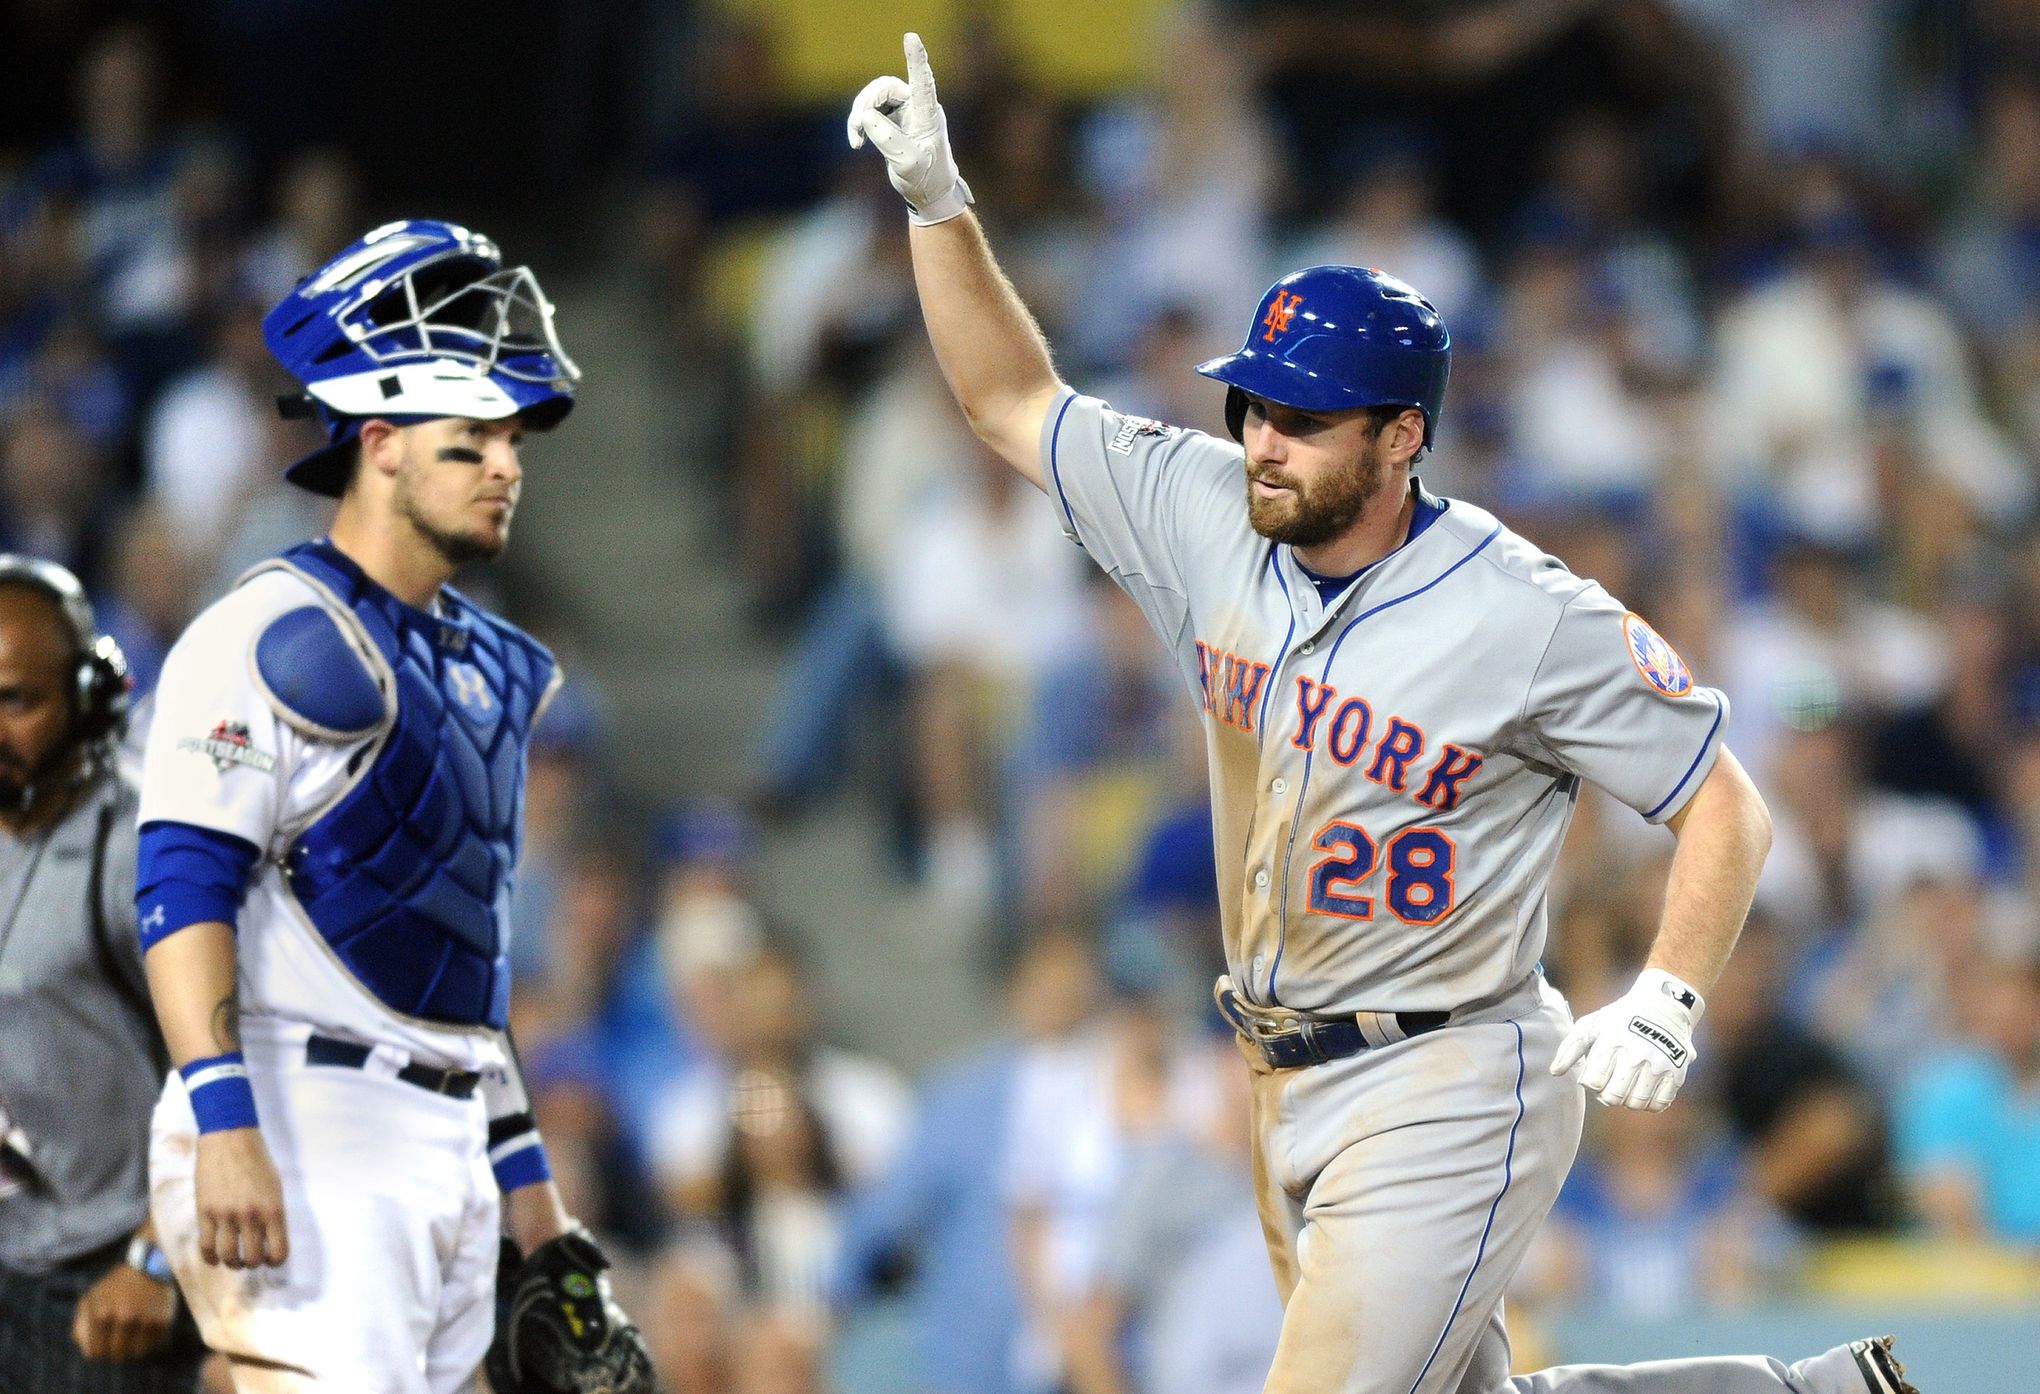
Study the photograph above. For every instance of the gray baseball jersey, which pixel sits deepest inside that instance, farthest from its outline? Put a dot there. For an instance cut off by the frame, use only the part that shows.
(1392, 770)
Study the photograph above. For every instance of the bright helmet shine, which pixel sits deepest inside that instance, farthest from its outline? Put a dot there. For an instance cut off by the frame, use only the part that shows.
(419, 319)
(1333, 338)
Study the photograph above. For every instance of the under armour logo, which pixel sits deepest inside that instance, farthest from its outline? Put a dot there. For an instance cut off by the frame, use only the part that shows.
(1280, 310)
(469, 687)
(155, 919)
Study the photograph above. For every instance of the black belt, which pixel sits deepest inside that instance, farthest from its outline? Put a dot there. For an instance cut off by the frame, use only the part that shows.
(325, 1050)
(1288, 1042)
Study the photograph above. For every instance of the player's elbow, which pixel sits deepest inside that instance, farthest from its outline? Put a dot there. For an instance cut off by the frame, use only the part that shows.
(1727, 803)
(1752, 814)
(1010, 424)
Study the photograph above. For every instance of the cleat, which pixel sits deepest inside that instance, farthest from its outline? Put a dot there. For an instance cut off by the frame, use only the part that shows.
(1881, 1370)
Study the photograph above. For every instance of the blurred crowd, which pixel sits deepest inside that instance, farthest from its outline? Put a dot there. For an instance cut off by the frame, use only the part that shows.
(1745, 305)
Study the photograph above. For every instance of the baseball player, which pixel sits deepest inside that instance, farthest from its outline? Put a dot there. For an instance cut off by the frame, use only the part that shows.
(330, 813)
(1401, 701)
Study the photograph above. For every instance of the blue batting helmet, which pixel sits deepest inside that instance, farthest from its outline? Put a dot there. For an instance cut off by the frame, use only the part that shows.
(1331, 338)
(419, 319)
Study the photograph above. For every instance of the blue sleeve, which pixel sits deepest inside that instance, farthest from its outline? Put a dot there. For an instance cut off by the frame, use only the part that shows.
(187, 875)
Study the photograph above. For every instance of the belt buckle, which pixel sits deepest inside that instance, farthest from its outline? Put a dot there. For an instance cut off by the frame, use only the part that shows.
(1256, 1025)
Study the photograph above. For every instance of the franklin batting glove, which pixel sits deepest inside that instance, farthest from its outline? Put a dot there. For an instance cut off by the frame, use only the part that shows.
(1635, 1051)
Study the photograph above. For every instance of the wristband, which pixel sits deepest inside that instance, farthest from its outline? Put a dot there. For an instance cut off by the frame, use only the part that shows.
(517, 1153)
(221, 1096)
(943, 208)
(146, 1258)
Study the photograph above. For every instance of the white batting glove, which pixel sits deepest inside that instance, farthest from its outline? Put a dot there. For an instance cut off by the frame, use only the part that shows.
(906, 123)
(1635, 1051)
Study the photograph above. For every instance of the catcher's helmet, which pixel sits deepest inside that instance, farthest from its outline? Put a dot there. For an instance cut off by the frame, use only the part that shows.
(418, 319)
(1330, 338)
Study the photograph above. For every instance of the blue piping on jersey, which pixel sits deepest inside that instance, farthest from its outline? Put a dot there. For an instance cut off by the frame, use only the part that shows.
(1324, 676)
(1055, 471)
(1696, 759)
(1508, 1173)
(1280, 654)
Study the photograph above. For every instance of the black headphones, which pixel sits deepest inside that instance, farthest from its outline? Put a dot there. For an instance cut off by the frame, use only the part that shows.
(101, 689)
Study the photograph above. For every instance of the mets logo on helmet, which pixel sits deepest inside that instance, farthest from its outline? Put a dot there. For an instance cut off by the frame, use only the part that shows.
(1657, 660)
(1280, 311)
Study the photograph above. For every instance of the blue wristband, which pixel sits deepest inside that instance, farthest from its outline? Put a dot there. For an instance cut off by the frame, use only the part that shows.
(221, 1096)
(517, 1153)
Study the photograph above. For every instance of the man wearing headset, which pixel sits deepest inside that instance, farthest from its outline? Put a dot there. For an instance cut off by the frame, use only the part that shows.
(86, 1300)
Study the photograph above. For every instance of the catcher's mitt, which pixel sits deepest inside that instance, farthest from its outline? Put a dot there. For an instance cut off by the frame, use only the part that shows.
(558, 1330)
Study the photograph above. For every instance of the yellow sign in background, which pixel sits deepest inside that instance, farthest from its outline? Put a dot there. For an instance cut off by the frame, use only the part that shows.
(828, 48)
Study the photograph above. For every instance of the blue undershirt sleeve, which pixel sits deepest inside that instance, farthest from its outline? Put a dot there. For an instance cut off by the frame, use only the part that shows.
(187, 875)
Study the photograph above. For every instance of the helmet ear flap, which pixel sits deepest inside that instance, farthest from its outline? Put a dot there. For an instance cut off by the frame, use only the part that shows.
(1236, 412)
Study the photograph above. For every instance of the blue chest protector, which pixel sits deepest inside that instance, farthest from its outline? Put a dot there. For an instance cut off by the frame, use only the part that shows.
(408, 876)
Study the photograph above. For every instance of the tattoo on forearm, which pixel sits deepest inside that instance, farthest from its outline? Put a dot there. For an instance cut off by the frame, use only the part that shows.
(226, 1023)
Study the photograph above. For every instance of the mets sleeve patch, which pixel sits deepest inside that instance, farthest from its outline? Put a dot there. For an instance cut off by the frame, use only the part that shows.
(1657, 660)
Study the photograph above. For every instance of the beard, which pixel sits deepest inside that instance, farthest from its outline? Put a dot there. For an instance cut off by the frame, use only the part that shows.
(17, 781)
(457, 546)
(1310, 515)
(23, 780)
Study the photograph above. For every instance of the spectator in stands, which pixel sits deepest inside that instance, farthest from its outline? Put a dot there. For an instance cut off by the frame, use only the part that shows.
(688, 1320)
(560, 793)
(902, 440)
(121, 169)
(1083, 1105)
(1156, 380)
(71, 370)
(598, 1170)
(152, 590)
(1904, 985)
(1182, 179)
(1772, 46)
(1658, 1217)
(825, 306)
(315, 217)
(1969, 1122)
(1842, 850)
(1178, 1307)
(1094, 759)
(746, 151)
(987, 597)
(1593, 195)
(762, 1148)
(780, 1353)
(1570, 360)
(1387, 217)
(1818, 641)
(1812, 1133)
(53, 488)
(1988, 265)
(1807, 364)
(593, 915)
(943, 1202)
(206, 446)
(1954, 749)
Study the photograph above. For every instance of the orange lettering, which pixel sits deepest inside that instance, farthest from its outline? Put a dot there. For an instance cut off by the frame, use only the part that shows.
(1280, 310)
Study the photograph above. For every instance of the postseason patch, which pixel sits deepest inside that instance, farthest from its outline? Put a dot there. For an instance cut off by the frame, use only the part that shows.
(227, 746)
(1657, 660)
(1133, 428)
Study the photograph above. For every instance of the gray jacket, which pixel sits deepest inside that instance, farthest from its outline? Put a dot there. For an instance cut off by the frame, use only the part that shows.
(81, 1059)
